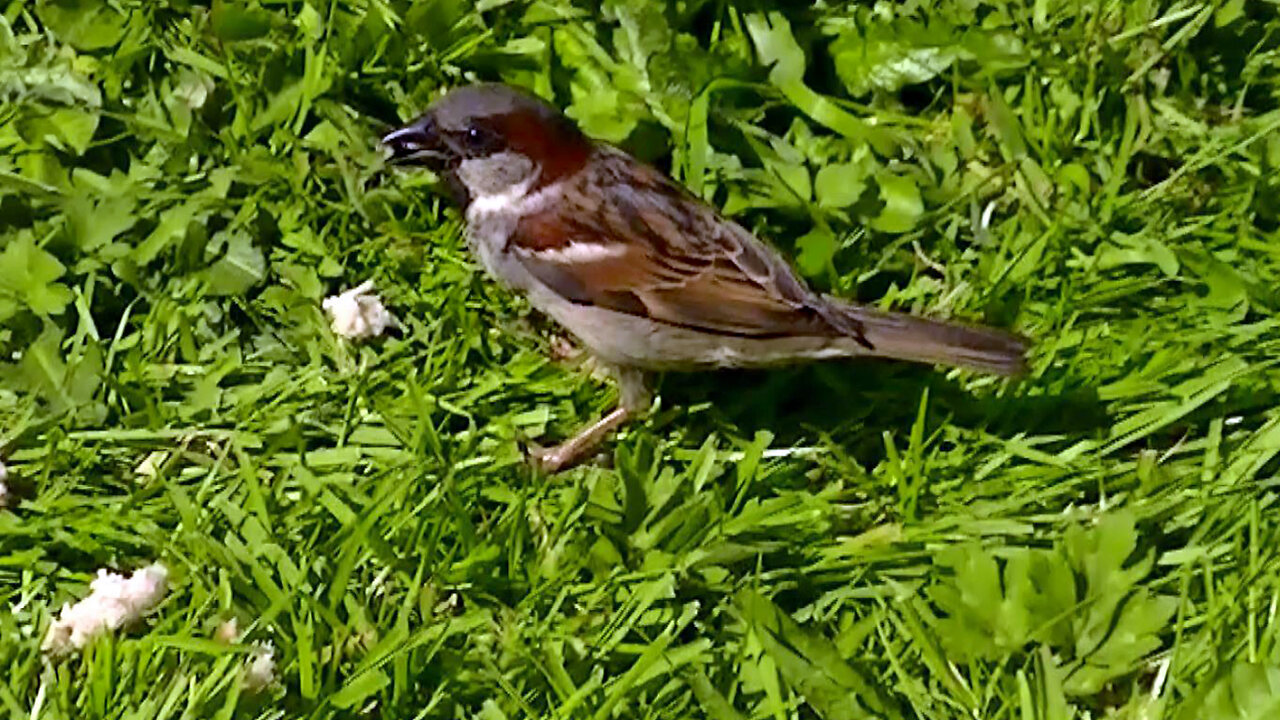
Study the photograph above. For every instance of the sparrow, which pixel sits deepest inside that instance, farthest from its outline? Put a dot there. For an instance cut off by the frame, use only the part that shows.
(645, 275)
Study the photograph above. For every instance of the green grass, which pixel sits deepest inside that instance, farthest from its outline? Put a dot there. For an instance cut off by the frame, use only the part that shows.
(180, 186)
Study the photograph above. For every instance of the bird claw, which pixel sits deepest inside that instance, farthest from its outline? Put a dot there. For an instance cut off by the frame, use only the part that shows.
(547, 460)
(575, 449)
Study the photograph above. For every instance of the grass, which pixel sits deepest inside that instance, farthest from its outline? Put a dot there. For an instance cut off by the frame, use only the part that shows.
(181, 185)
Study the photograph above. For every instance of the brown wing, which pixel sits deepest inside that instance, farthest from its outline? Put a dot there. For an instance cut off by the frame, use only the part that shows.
(682, 264)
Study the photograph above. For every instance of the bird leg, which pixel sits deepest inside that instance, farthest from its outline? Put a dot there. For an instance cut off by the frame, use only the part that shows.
(634, 398)
(573, 450)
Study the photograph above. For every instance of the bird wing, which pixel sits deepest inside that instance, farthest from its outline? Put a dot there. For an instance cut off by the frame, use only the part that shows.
(624, 237)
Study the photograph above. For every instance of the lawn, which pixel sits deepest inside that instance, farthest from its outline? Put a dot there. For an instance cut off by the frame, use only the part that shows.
(181, 186)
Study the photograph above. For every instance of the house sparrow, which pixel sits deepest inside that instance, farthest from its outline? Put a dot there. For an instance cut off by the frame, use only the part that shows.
(645, 275)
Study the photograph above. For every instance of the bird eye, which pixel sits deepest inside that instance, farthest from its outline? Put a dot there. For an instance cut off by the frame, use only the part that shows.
(476, 138)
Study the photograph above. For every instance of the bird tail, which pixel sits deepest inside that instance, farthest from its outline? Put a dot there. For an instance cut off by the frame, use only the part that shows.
(916, 339)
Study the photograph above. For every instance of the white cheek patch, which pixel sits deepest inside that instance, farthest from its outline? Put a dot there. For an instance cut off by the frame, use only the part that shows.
(497, 181)
(504, 201)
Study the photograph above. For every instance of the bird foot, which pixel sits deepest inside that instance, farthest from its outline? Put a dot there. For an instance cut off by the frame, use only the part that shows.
(548, 460)
(577, 448)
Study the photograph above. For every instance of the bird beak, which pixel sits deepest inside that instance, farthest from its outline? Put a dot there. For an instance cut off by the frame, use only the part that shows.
(417, 143)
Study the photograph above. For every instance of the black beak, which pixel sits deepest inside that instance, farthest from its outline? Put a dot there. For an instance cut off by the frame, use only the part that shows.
(417, 143)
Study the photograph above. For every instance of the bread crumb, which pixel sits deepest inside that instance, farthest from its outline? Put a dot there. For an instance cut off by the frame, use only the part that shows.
(113, 601)
(358, 313)
(260, 669)
(228, 632)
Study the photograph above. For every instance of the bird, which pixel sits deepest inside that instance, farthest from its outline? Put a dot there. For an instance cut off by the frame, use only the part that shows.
(646, 276)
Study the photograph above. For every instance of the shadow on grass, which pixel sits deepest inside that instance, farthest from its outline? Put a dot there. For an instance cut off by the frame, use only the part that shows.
(867, 397)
